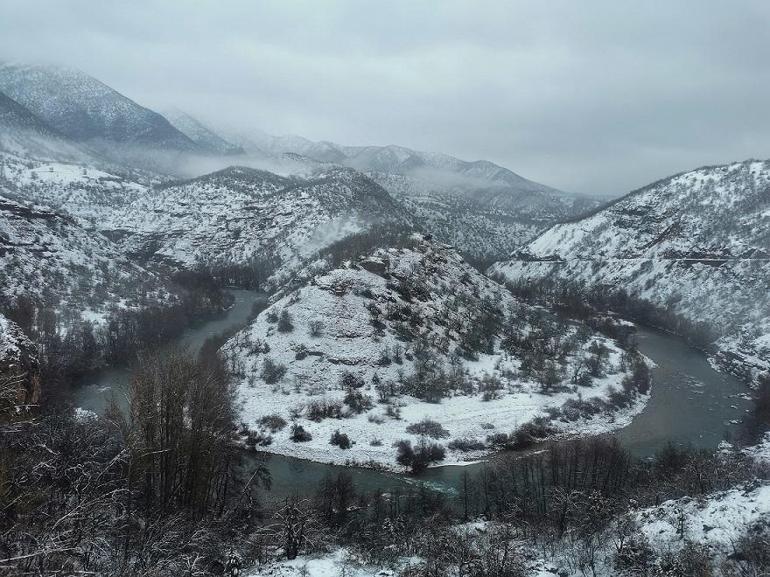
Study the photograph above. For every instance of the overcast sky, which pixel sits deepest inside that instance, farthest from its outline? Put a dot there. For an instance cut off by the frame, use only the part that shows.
(595, 97)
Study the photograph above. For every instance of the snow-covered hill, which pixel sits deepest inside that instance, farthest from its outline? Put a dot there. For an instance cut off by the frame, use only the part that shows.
(48, 257)
(87, 193)
(402, 335)
(241, 216)
(698, 243)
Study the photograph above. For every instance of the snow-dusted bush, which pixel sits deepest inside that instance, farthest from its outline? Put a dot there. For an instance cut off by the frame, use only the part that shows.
(341, 440)
(357, 401)
(319, 409)
(272, 372)
(428, 428)
(272, 422)
(466, 445)
(285, 322)
(299, 434)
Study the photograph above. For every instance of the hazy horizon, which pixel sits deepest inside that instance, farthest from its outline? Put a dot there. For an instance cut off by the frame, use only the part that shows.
(597, 101)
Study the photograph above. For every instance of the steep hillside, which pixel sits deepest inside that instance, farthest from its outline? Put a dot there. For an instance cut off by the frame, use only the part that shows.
(478, 230)
(697, 243)
(374, 348)
(82, 108)
(243, 217)
(14, 115)
(50, 258)
(22, 133)
(201, 135)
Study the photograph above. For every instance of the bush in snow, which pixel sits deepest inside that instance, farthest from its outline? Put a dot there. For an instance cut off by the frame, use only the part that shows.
(316, 328)
(466, 445)
(272, 422)
(255, 438)
(320, 409)
(340, 439)
(351, 381)
(301, 352)
(357, 401)
(490, 387)
(285, 324)
(272, 372)
(300, 435)
(428, 428)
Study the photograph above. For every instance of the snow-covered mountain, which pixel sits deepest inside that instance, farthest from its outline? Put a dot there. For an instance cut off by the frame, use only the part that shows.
(483, 209)
(200, 134)
(374, 347)
(84, 109)
(698, 243)
(488, 183)
(49, 258)
(243, 217)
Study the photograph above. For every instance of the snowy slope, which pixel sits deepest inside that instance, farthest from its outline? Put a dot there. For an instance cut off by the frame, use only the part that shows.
(478, 230)
(82, 108)
(717, 521)
(240, 215)
(22, 133)
(698, 242)
(89, 194)
(50, 258)
(383, 319)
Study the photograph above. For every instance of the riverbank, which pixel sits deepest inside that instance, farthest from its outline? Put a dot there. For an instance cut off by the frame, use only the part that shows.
(689, 403)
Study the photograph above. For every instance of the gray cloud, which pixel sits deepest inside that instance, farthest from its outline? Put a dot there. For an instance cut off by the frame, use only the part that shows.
(594, 97)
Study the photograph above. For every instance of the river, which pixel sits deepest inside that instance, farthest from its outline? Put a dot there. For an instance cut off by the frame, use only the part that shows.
(690, 403)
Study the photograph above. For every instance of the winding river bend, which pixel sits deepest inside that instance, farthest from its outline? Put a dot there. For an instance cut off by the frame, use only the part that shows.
(690, 403)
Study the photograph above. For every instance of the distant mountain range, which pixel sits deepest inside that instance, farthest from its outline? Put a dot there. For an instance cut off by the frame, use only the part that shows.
(58, 114)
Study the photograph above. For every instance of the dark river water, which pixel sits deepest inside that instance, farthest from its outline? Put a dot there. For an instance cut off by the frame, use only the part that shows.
(690, 403)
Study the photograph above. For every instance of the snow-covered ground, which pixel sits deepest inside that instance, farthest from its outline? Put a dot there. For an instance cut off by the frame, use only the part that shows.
(717, 521)
(337, 563)
(369, 329)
